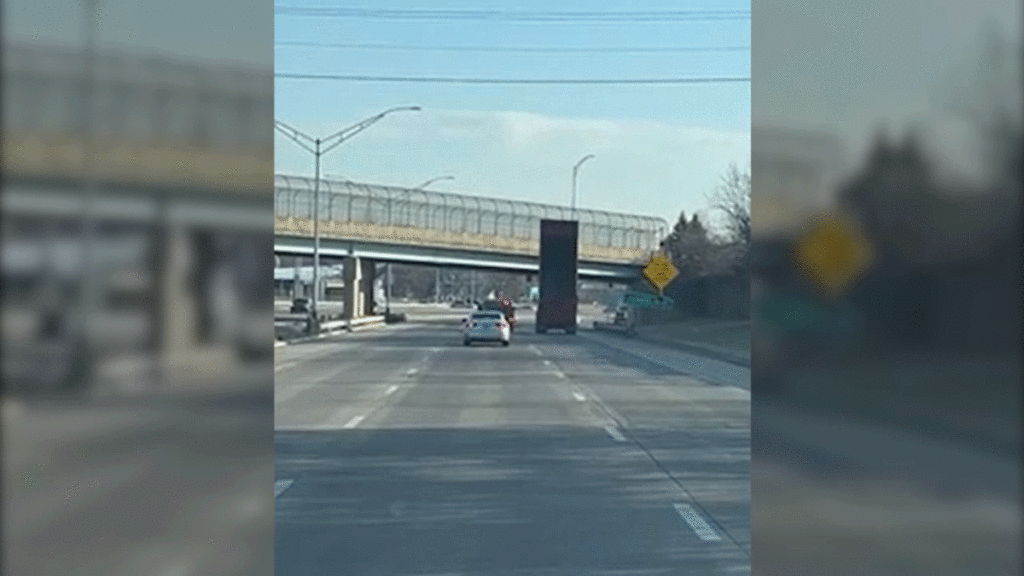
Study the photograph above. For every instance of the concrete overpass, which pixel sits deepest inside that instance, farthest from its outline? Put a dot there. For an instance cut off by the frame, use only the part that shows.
(181, 162)
(365, 224)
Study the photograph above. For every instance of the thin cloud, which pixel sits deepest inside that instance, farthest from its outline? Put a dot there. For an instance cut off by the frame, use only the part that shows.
(641, 166)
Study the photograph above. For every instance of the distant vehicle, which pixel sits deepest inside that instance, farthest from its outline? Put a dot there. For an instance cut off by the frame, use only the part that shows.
(503, 305)
(300, 306)
(557, 276)
(486, 326)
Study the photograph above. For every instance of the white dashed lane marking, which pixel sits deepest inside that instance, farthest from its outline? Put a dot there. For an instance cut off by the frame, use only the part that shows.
(613, 431)
(354, 422)
(280, 486)
(697, 523)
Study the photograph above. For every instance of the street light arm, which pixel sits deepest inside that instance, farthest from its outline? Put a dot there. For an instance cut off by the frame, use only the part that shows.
(337, 138)
(294, 134)
(432, 180)
(575, 171)
(582, 160)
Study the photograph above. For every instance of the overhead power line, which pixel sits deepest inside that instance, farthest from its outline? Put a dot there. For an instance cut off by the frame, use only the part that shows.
(514, 16)
(537, 49)
(440, 80)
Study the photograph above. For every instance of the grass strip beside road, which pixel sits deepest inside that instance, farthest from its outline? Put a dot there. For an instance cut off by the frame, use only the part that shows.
(725, 340)
(974, 399)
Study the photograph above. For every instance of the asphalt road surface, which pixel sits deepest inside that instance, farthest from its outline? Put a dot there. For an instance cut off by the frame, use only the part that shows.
(838, 495)
(401, 451)
(167, 484)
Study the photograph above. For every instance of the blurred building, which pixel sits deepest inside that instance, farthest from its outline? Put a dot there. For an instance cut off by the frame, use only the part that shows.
(173, 163)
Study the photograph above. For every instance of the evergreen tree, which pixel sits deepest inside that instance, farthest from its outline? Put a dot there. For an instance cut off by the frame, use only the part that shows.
(688, 246)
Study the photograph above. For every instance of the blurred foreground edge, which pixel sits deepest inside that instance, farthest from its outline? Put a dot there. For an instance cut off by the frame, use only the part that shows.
(181, 182)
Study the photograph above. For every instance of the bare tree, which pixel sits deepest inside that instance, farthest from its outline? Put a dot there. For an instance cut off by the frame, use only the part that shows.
(990, 98)
(732, 198)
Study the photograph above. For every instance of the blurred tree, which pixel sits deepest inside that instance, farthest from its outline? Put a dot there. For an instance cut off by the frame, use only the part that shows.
(688, 246)
(894, 198)
(732, 198)
(990, 98)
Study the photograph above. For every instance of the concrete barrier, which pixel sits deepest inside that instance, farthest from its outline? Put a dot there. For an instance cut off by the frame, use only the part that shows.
(367, 322)
(612, 327)
(331, 327)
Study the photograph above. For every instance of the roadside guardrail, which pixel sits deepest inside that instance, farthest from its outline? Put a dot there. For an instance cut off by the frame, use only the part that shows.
(295, 327)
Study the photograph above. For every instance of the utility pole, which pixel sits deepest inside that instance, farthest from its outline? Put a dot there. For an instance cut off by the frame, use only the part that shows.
(90, 221)
(321, 146)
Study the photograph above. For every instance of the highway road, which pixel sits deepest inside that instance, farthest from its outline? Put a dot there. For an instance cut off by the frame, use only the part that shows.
(401, 451)
(161, 482)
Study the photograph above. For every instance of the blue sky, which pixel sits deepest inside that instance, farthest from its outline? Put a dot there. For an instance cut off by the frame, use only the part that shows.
(659, 149)
(840, 67)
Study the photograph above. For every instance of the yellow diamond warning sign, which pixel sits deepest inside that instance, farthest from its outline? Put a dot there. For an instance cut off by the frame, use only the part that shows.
(660, 272)
(834, 254)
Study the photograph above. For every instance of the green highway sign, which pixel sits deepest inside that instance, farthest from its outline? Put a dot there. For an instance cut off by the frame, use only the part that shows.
(794, 313)
(646, 300)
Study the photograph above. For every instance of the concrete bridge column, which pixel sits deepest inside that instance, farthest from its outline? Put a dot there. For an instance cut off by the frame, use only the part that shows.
(180, 313)
(366, 287)
(185, 353)
(358, 291)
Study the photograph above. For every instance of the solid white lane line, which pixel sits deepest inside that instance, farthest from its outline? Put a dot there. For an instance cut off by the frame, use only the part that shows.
(579, 397)
(613, 431)
(280, 486)
(284, 366)
(354, 422)
(700, 526)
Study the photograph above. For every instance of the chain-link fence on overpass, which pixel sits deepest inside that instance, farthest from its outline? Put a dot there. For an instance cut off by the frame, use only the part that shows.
(387, 206)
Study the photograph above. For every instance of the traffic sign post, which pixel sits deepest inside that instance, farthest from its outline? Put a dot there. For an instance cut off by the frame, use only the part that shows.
(833, 254)
(660, 272)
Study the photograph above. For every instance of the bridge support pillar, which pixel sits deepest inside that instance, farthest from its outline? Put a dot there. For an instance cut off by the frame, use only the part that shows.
(358, 291)
(180, 313)
(352, 273)
(367, 273)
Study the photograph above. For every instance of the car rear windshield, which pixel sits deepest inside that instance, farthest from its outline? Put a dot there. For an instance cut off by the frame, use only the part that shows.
(487, 316)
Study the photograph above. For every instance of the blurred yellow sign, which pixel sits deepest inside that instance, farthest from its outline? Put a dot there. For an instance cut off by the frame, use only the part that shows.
(834, 254)
(660, 271)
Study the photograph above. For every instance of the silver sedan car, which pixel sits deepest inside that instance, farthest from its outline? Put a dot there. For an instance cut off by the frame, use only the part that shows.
(486, 326)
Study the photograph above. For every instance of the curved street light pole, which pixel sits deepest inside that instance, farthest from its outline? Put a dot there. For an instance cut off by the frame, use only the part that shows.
(318, 147)
(575, 172)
